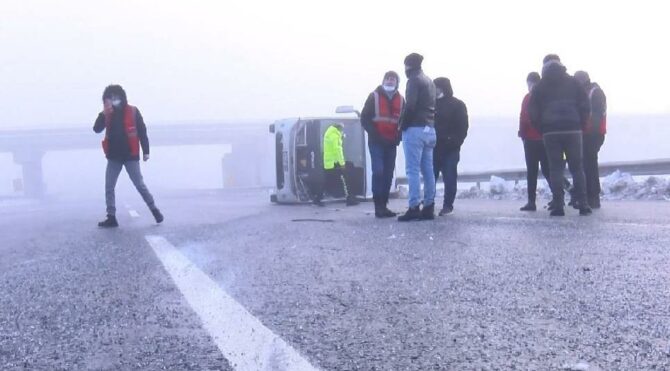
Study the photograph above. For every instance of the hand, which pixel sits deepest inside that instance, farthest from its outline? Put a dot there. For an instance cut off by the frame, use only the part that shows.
(146, 157)
(107, 107)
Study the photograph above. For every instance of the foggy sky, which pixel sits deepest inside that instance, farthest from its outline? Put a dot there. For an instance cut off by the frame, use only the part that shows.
(232, 60)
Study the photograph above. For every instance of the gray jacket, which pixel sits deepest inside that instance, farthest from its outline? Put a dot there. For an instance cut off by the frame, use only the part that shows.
(419, 101)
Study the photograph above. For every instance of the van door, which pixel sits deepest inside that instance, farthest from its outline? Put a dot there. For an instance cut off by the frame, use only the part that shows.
(308, 158)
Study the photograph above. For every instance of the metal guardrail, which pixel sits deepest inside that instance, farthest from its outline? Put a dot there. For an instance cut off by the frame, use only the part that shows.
(645, 167)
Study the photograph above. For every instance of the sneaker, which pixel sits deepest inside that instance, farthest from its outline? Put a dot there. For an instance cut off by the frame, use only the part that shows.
(557, 211)
(446, 210)
(413, 213)
(110, 222)
(157, 215)
(529, 207)
(428, 212)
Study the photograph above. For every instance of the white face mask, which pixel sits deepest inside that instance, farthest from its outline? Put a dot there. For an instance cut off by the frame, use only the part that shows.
(440, 95)
(389, 88)
(116, 102)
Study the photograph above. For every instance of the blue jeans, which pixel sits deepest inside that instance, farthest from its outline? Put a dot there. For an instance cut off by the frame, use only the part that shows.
(382, 158)
(418, 143)
(446, 162)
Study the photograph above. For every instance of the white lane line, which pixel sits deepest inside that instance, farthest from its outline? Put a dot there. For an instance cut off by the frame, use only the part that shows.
(241, 337)
(134, 213)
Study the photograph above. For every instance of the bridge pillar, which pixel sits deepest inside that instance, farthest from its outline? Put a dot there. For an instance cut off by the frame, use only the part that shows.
(33, 177)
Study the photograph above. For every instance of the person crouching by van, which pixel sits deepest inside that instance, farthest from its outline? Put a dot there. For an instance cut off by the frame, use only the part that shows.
(451, 127)
(533, 146)
(125, 134)
(380, 118)
(335, 177)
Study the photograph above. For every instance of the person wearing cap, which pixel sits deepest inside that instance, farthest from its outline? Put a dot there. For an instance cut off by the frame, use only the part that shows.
(533, 146)
(380, 118)
(594, 136)
(419, 139)
(334, 173)
(559, 109)
(451, 127)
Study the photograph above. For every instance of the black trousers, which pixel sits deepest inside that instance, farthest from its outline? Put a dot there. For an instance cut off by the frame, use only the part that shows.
(536, 159)
(592, 144)
(334, 182)
(569, 143)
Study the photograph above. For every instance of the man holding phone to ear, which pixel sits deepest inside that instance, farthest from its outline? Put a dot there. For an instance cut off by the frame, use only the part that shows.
(125, 133)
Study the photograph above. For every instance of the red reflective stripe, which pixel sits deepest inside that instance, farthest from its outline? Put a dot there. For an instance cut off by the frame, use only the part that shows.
(131, 130)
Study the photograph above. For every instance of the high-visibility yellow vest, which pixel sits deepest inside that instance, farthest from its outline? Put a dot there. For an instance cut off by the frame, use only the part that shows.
(333, 151)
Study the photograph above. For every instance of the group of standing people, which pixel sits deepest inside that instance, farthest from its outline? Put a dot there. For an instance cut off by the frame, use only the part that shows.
(563, 119)
(432, 125)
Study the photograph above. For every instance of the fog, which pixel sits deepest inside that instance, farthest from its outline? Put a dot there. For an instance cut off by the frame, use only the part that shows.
(257, 61)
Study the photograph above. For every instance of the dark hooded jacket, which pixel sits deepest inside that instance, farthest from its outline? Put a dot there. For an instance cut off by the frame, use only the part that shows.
(119, 149)
(558, 102)
(419, 100)
(451, 119)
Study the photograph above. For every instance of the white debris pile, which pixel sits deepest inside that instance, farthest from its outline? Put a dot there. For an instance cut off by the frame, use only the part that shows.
(622, 186)
(616, 186)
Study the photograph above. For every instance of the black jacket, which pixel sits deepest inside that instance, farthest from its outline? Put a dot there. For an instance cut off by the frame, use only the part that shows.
(558, 102)
(119, 149)
(419, 101)
(368, 113)
(451, 123)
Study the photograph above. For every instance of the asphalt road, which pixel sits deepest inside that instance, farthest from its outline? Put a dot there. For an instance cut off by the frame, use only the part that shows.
(487, 288)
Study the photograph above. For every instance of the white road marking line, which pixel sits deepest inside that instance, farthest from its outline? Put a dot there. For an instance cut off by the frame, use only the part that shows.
(242, 338)
(134, 213)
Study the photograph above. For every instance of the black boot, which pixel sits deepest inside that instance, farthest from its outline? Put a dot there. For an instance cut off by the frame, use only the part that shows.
(594, 202)
(530, 206)
(446, 210)
(157, 215)
(385, 210)
(110, 222)
(557, 207)
(413, 213)
(352, 201)
(428, 212)
(585, 210)
(557, 211)
(379, 212)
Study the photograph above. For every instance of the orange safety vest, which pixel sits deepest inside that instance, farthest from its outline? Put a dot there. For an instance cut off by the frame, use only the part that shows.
(129, 117)
(602, 125)
(387, 115)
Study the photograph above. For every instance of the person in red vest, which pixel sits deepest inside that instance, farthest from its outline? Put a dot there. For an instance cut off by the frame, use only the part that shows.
(594, 136)
(125, 133)
(533, 146)
(380, 118)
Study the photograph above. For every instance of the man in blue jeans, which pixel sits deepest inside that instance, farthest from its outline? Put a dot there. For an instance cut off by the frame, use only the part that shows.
(418, 137)
(451, 126)
(381, 119)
